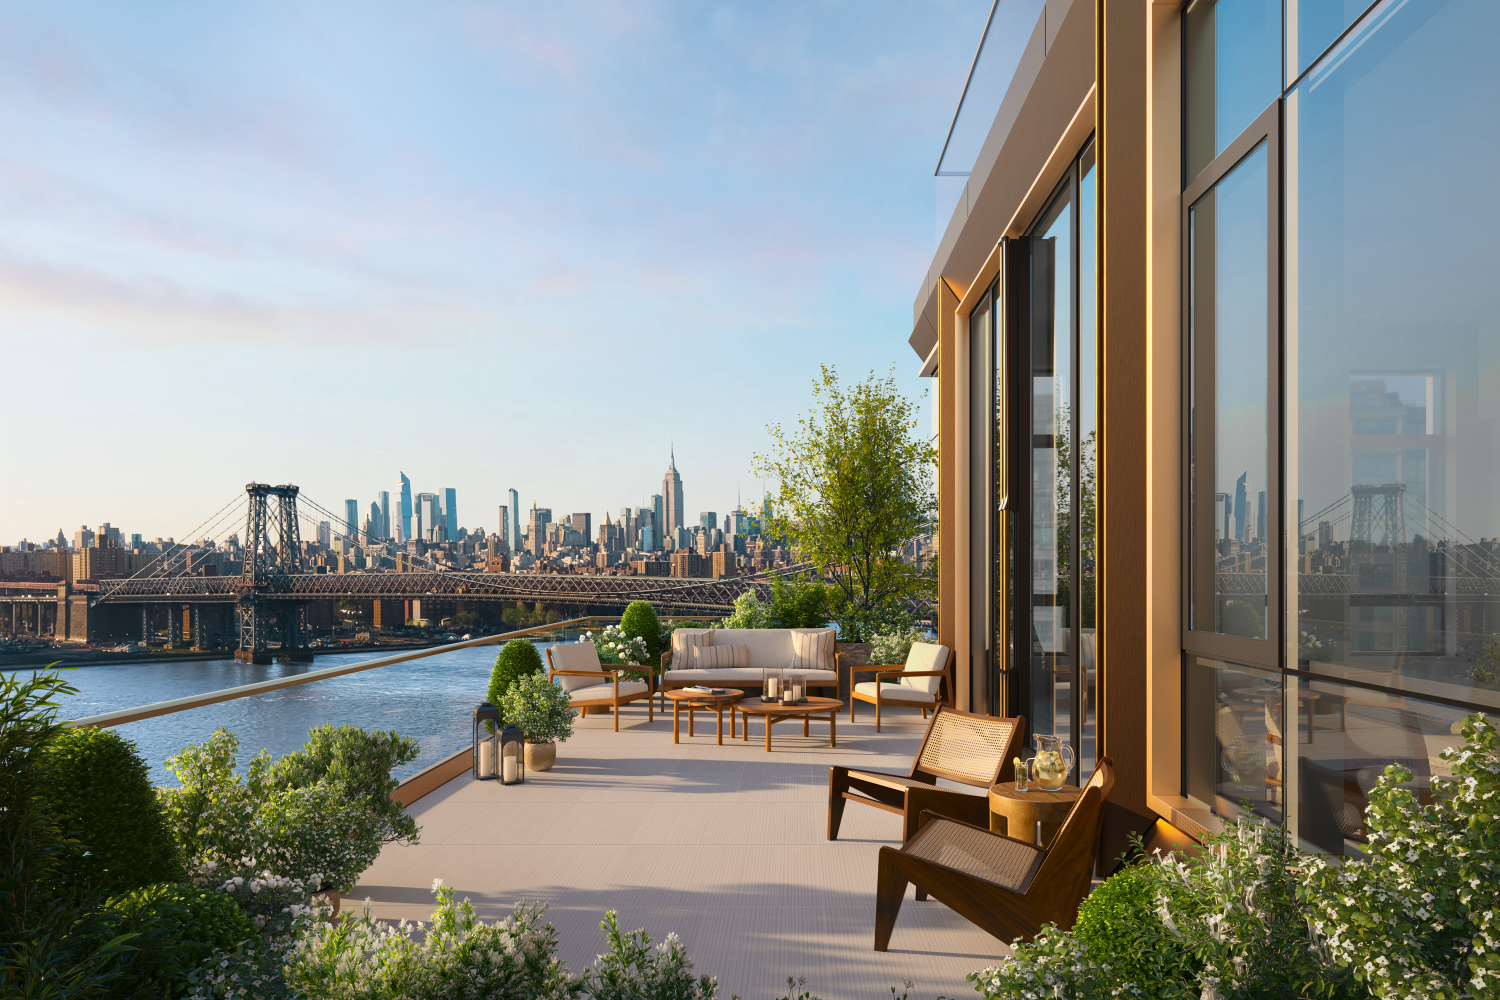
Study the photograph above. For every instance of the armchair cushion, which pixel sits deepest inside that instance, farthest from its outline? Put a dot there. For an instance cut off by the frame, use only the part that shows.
(575, 656)
(925, 656)
(812, 649)
(605, 692)
(899, 692)
(707, 657)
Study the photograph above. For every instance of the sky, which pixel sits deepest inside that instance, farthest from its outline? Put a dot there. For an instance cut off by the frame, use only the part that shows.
(490, 245)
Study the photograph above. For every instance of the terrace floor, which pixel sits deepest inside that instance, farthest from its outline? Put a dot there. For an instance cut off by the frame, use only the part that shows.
(727, 846)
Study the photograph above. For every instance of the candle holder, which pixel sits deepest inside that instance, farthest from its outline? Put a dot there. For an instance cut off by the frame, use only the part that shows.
(770, 684)
(486, 742)
(796, 687)
(512, 756)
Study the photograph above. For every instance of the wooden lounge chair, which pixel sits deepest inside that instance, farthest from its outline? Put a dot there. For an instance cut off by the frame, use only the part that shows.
(577, 668)
(923, 682)
(1005, 886)
(960, 746)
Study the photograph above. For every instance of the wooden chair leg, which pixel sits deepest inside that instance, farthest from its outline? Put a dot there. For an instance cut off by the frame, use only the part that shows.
(877, 713)
(617, 716)
(838, 783)
(852, 701)
(650, 710)
(890, 887)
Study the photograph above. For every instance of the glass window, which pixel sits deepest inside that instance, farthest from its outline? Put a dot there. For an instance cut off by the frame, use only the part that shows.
(1233, 73)
(1229, 469)
(1233, 736)
(1393, 366)
(1085, 472)
(1312, 26)
(1346, 737)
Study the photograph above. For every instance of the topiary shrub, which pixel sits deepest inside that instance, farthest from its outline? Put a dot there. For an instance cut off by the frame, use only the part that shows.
(1115, 918)
(516, 659)
(190, 923)
(101, 796)
(640, 621)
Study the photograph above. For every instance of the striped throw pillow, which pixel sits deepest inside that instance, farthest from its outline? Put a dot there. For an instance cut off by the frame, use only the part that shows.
(683, 639)
(812, 650)
(717, 657)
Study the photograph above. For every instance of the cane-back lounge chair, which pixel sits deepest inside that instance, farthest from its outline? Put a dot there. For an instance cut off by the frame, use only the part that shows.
(576, 667)
(1005, 886)
(960, 746)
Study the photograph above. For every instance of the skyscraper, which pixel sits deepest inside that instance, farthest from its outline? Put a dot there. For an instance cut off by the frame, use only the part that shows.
(540, 518)
(659, 515)
(450, 511)
(373, 532)
(325, 534)
(385, 514)
(708, 520)
(583, 523)
(504, 531)
(671, 491)
(515, 521)
(351, 518)
(405, 507)
(1241, 502)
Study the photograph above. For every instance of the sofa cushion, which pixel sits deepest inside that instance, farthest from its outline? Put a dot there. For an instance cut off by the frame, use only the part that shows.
(575, 656)
(769, 647)
(606, 692)
(684, 638)
(744, 675)
(898, 692)
(717, 657)
(925, 656)
(812, 649)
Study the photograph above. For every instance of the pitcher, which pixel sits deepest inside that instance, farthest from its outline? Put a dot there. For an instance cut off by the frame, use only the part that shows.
(1053, 760)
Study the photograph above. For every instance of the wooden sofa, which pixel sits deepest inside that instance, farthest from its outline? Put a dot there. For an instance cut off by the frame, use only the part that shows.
(769, 647)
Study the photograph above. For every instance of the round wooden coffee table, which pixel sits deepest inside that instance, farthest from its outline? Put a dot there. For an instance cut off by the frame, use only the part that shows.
(695, 700)
(776, 711)
(1020, 812)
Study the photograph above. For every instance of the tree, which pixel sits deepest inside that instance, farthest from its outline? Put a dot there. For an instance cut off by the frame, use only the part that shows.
(854, 487)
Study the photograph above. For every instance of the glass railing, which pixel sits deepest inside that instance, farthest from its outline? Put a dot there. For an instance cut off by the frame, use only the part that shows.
(426, 695)
(1006, 32)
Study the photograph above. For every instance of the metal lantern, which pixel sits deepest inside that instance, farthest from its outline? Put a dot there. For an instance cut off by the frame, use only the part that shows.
(796, 688)
(512, 756)
(486, 742)
(770, 684)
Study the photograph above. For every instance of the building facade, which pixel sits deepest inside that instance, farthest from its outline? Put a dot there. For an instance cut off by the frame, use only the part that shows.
(672, 516)
(1217, 478)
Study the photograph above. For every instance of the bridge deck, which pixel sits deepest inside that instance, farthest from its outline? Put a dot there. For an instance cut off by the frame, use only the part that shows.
(724, 845)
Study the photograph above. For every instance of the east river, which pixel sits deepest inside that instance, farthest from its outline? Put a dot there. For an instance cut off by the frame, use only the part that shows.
(429, 700)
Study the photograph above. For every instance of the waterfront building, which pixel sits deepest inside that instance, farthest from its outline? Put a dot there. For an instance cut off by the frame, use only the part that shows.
(1214, 476)
(670, 513)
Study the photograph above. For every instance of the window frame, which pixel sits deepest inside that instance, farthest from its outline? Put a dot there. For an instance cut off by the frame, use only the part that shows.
(1266, 653)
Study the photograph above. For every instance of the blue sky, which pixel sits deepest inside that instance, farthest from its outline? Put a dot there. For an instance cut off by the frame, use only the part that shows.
(491, 245)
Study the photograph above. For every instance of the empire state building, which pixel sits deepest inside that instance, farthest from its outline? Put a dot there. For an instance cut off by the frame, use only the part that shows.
(671, 491)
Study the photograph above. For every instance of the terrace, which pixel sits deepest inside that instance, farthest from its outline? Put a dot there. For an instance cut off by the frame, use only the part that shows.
(727, 846)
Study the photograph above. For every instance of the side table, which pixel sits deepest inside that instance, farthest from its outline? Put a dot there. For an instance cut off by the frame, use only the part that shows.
(696, 700)
(1016, 814)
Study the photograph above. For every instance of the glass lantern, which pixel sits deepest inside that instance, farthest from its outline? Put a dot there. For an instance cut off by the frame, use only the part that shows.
(795, 688)
(770, 684)
(486, 742)
(512, 756)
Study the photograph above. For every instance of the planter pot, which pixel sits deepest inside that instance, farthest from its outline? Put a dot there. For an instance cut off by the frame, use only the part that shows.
(540, 756)
(333, 898)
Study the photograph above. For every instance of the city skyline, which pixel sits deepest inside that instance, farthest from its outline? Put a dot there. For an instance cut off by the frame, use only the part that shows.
(333, 239)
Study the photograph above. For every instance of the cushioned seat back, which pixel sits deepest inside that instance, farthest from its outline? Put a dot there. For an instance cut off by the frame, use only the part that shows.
(925, 656)
(966, 748)
(682, 638)
(575, 656)
(769, 647)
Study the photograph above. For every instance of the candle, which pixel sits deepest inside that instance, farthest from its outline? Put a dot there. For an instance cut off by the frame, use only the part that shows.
(786, 695)
(512, 767)
(773, 686)
(487, 759)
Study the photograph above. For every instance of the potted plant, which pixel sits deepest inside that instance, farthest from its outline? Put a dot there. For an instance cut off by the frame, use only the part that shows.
(544, 713)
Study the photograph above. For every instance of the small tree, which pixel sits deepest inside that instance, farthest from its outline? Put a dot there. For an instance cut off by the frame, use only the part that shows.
(854, 488)
(640, 621)
(516, 659)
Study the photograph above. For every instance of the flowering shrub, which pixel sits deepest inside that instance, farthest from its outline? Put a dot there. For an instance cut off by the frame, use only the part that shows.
(281, 911)
(460, 956)
(542, 709)
(1421, 916)
(615, 647)
(633, 970)
(748, 612)
(894, 647)
(327, 809)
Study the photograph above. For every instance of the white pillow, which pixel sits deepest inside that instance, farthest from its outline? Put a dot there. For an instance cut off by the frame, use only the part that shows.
(925, 656)
(718, 657)
(683, 639)
(575, 656)
(812, 650)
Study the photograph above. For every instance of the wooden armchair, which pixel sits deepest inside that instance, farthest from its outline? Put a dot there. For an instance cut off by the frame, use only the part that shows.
(576, 667)
(960, 746)
(1007, 887)
(923, 682)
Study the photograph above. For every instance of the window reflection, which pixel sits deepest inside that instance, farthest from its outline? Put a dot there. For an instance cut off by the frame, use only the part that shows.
(1234, 746)
(1396, 355)
(1233, 72)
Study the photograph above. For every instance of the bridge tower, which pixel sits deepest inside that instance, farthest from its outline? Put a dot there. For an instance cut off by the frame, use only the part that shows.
(269, 567)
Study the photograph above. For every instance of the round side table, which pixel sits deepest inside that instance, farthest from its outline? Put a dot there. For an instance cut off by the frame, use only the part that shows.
(1016, 814)
(703, 701)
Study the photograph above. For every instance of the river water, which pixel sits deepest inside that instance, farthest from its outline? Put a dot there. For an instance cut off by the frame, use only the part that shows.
(429, 700)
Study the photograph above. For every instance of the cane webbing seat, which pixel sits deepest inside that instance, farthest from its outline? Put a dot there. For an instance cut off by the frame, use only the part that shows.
(959, 746)
(1005, 886)
(979, 853)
